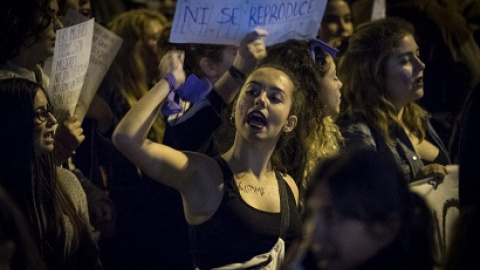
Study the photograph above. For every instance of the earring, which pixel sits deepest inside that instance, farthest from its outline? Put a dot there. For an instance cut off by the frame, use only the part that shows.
(232, 120)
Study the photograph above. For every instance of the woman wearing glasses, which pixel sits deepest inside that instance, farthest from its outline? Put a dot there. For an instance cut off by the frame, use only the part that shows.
(29, 39)
(50, 197)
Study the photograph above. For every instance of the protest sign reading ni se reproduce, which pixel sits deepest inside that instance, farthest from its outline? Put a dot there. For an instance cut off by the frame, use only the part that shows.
(228, 21)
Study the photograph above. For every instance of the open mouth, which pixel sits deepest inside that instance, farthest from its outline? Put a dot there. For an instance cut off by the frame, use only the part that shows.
(419, 81)
(256, 119)
(49, 135)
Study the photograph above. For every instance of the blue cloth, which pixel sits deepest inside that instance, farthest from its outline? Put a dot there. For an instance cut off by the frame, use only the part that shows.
(359, 134)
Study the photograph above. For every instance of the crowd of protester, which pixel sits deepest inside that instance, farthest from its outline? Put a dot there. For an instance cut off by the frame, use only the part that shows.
(296, 156)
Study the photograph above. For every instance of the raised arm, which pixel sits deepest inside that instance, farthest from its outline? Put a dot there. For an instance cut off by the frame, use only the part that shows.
(160, 162)
(251, 50)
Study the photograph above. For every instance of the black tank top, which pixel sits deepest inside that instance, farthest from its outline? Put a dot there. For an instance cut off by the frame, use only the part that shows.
(237, 231)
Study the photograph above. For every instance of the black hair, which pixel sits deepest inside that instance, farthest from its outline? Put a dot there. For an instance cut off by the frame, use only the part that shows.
(19, 21)
(30, 178)
(368, 186)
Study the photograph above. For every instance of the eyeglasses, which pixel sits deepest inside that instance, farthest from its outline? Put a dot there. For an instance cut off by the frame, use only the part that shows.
(43, 115)
(317, 46)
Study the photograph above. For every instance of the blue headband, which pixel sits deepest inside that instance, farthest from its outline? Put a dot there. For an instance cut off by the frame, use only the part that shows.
(318, 44)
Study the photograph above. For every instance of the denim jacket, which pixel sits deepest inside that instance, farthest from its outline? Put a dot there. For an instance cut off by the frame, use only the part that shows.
(359, 134)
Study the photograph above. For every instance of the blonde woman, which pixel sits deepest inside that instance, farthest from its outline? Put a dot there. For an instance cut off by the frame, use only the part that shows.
(135, 67)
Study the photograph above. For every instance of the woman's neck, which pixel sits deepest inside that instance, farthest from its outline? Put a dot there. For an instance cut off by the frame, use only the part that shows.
(245, 157)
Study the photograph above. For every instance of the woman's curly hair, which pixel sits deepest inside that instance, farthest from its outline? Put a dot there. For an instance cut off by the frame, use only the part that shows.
(322, 137)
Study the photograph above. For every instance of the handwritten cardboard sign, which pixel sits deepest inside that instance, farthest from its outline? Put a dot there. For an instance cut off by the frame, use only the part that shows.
(105, 46)
(69, 66)
(228, 21)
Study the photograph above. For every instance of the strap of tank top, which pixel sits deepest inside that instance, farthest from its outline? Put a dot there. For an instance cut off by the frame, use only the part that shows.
(284, 206)
(282, 187)
(228, 178)
(227, 172)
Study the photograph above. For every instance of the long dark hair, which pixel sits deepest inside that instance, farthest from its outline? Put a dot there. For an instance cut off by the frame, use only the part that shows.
(30, 177)
(368, 186)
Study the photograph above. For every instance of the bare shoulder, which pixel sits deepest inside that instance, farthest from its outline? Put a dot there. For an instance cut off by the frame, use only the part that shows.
(204, 192)
(206, 173)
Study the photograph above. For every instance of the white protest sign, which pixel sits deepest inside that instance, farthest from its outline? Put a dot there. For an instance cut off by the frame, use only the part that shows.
(228, 21)
(444, 204)
(69, 66)
(378, 10)
(105, 46)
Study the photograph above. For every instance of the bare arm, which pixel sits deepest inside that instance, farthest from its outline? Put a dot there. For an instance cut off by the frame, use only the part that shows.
(162, 163)
(251, 50)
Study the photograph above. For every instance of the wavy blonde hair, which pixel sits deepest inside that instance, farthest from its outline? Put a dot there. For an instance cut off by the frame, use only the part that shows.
(128, 71)
(322, 137)
(362, 70)
(324, 142)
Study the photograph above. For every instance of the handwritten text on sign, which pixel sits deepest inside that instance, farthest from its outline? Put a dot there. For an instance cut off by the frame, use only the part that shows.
(70, 63)
(228, 21)
(105, 45)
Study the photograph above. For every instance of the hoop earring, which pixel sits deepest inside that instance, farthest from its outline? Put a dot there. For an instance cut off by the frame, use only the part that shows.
(232, 120)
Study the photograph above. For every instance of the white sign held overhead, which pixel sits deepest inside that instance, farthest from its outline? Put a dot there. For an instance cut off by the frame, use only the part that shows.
(228, 21)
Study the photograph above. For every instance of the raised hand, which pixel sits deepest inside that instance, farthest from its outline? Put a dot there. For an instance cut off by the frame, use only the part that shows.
(251, 50)
(172, 63)
(68, 136)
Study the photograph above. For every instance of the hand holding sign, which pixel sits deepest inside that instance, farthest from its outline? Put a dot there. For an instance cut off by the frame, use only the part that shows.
(68, 136)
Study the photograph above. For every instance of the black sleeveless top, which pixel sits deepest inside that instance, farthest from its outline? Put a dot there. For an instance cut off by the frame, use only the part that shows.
(237, 231)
